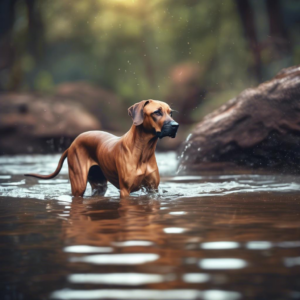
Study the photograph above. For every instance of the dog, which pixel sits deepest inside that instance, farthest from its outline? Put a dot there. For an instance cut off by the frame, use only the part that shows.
(128, 162)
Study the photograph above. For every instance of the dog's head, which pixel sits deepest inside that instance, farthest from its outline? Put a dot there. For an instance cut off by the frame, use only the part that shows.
(155, 117)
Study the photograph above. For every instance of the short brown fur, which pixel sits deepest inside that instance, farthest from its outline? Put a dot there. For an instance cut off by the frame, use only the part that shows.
(128, 162)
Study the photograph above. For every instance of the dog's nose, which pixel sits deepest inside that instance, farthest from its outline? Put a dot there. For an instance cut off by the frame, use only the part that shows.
(174, 125)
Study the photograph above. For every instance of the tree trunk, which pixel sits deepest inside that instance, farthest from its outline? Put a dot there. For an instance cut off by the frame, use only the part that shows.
(247, 19)
(278, 32)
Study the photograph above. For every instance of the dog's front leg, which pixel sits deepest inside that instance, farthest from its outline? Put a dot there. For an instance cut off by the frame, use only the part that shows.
(151, 181)
(124, 189)
(124, 178)
(124, 193)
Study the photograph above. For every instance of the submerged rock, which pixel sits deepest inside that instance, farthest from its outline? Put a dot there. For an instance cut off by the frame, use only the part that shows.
(260, 128)
(31, 123)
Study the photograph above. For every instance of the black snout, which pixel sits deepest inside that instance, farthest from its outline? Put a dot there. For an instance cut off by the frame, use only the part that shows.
(169, 129)
(174, 125)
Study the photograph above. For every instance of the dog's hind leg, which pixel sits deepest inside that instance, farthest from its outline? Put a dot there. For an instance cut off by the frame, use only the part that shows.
(97, 181)
(78, 172)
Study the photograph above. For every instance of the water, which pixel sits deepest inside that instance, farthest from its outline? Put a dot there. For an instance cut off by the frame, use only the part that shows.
(200, 237)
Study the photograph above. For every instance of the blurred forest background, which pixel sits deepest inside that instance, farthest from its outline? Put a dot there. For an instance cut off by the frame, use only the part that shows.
(98, 57)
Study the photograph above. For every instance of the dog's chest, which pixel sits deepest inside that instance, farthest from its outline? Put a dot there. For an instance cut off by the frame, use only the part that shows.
(137, 177)
(144, 170)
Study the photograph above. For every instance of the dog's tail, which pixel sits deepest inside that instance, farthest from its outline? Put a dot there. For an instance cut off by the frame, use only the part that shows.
(60, 163)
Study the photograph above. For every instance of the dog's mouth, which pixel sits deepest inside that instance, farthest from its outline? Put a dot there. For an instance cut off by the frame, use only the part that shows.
(160, 134)
(168, 129)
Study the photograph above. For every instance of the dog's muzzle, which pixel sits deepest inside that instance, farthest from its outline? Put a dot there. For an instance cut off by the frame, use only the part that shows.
(168, 129)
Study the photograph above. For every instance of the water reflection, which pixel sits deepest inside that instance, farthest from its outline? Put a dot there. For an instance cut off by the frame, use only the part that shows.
(222, 263)
(259, 245)
(292, 261)
(86, 249)
(195, 277)
(146, 294)
(177, 213)
(133, 243)
(174, 230)
(116, 278)
(117, 259)
(217, 243)
(289, 244)
(12, 183)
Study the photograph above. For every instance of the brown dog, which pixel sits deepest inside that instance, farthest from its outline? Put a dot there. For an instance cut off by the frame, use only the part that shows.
(128, 162)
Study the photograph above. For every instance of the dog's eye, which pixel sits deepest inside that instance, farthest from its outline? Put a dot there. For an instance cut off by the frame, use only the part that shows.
(171, 114)
(158, 113)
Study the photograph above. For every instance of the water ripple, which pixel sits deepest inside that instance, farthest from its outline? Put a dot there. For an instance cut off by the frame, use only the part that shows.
(170, 187)
(117, 259)
(66, 294)
(117, 278)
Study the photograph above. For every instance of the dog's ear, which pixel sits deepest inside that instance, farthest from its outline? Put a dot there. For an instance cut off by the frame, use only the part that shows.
(136, 112)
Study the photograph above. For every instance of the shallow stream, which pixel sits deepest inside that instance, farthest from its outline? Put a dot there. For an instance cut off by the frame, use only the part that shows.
(200, 237)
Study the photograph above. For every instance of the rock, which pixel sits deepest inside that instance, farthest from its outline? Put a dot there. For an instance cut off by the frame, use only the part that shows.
(185, 94)
(31, 123)
(260, 128)
(104, 105)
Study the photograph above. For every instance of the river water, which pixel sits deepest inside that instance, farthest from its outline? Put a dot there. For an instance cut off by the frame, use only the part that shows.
(200, 237)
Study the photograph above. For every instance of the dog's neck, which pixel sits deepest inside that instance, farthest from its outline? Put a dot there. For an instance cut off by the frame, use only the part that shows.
(142, 144)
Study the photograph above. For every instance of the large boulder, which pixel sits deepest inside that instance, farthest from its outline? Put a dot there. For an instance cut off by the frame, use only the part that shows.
(260, 128)
(31, 123)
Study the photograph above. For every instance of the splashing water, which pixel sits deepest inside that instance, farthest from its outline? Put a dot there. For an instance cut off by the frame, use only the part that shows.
(14, 184)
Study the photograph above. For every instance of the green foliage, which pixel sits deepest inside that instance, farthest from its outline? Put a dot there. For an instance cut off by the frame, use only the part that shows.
(130, 46)
(43, 81)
